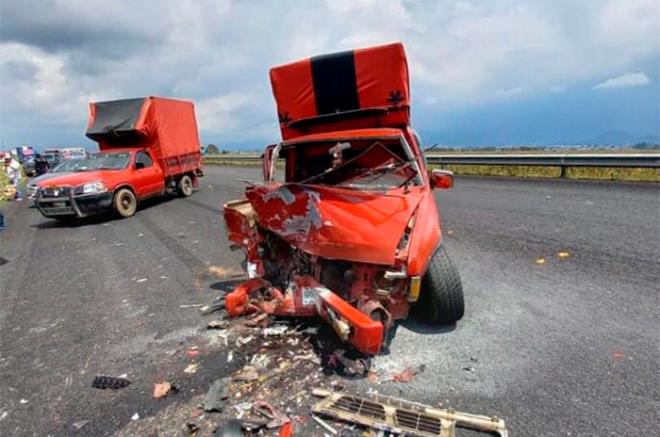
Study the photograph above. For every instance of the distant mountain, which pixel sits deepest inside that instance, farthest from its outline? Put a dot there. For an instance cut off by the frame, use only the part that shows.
(620, 138)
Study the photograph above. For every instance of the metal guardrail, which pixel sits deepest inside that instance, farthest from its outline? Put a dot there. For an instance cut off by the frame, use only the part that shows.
(629, 160)
(634, 160)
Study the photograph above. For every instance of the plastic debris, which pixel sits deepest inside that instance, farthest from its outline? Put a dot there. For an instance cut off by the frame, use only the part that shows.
(275, 331)
(23, 401)
(192, 352)
(230, 357)
(216, 305)
(191, 305)
(540, 261)
(191, 368)
(408, 374)
(217, 324)
(563, 254)
(162, 389)
(110, 382)
(141, 280)
(80, 424)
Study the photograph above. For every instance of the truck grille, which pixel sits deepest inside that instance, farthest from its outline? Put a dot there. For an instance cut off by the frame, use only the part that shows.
(55, 192)
(58, 210)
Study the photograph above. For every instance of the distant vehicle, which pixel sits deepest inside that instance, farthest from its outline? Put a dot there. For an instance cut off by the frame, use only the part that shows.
(28, 166)
(52, 156)
(73, 153)
(148, 147)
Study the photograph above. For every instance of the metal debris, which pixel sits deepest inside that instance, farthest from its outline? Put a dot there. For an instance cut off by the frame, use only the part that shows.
(400, 416)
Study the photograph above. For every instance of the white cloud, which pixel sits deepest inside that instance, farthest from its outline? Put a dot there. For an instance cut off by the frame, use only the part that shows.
(627, 80)
(460, 52)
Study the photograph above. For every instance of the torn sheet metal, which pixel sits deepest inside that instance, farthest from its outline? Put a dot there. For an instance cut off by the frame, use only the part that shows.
(335, 223)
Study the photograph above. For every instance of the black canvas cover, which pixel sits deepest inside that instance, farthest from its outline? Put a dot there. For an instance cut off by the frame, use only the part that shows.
(117, 118)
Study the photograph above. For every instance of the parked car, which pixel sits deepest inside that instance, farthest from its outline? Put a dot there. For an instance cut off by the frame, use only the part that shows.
(148, 147)
(352, 233)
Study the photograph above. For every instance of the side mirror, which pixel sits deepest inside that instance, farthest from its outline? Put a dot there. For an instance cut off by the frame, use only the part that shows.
(139, 165)
(443, 179)
(268, 161)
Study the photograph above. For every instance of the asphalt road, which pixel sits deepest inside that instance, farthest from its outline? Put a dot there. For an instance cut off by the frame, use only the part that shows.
(568, 347)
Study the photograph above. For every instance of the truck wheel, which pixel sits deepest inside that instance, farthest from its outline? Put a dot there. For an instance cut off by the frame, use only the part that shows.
(441, 302)
(185, 186)
(124, 202)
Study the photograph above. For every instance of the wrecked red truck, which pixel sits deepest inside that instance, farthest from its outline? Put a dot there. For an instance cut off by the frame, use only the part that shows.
(352, 233)
(147, 147)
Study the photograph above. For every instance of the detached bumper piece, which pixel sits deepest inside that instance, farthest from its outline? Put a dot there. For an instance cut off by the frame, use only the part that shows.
(402, 417)
(307, 297)
(63, 202)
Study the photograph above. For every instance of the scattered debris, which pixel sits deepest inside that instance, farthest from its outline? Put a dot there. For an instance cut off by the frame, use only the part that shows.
(563, 254)
(217, 324)
(191, 368)
(216, 305)
(540, 261)
(231, 428)
(192, 352)
(230, 357)
(110, 382)
(469, 369)
(242, 341)
(224, 272)
(80, 424)
(385, 413)
(275, 331)
(216, 397)
(162, 389)
(141, 280)
(192, 305)
(408, 374)
(135, 416)
(23, 401)
(324, 425)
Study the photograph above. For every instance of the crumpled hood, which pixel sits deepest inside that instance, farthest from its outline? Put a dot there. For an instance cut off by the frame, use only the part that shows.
(336, 223)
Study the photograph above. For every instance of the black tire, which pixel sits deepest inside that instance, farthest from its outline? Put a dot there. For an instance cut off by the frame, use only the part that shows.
(441, 301)
(185, 186)
(124, 203)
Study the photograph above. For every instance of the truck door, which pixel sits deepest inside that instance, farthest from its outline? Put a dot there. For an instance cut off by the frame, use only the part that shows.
(149, 177)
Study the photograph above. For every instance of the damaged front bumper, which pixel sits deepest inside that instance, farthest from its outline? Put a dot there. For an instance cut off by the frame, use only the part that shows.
(307, 297)
(66, 203)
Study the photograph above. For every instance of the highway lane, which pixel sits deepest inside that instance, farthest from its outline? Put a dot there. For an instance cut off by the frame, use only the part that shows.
(568, 347)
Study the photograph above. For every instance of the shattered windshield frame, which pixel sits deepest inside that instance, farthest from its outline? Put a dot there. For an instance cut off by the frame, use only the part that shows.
(391, 170)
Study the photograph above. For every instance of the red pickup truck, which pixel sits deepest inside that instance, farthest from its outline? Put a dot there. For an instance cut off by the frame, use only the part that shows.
(352, 232)
(148, 147)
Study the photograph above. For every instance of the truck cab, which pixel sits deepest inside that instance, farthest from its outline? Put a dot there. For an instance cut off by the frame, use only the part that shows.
(352, 233)
(148, 147)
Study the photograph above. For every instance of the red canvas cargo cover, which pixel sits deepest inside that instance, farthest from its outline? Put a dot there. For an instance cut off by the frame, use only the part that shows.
(354, 89)
(167, 127)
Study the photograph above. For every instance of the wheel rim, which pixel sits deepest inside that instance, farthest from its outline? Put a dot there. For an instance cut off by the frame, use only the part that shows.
(126, 203)
(186, 185)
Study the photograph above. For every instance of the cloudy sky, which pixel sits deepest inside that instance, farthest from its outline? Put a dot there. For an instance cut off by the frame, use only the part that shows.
(482, 72)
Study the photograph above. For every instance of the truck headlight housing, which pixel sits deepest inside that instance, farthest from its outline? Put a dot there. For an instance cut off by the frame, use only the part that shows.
(92, 188)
